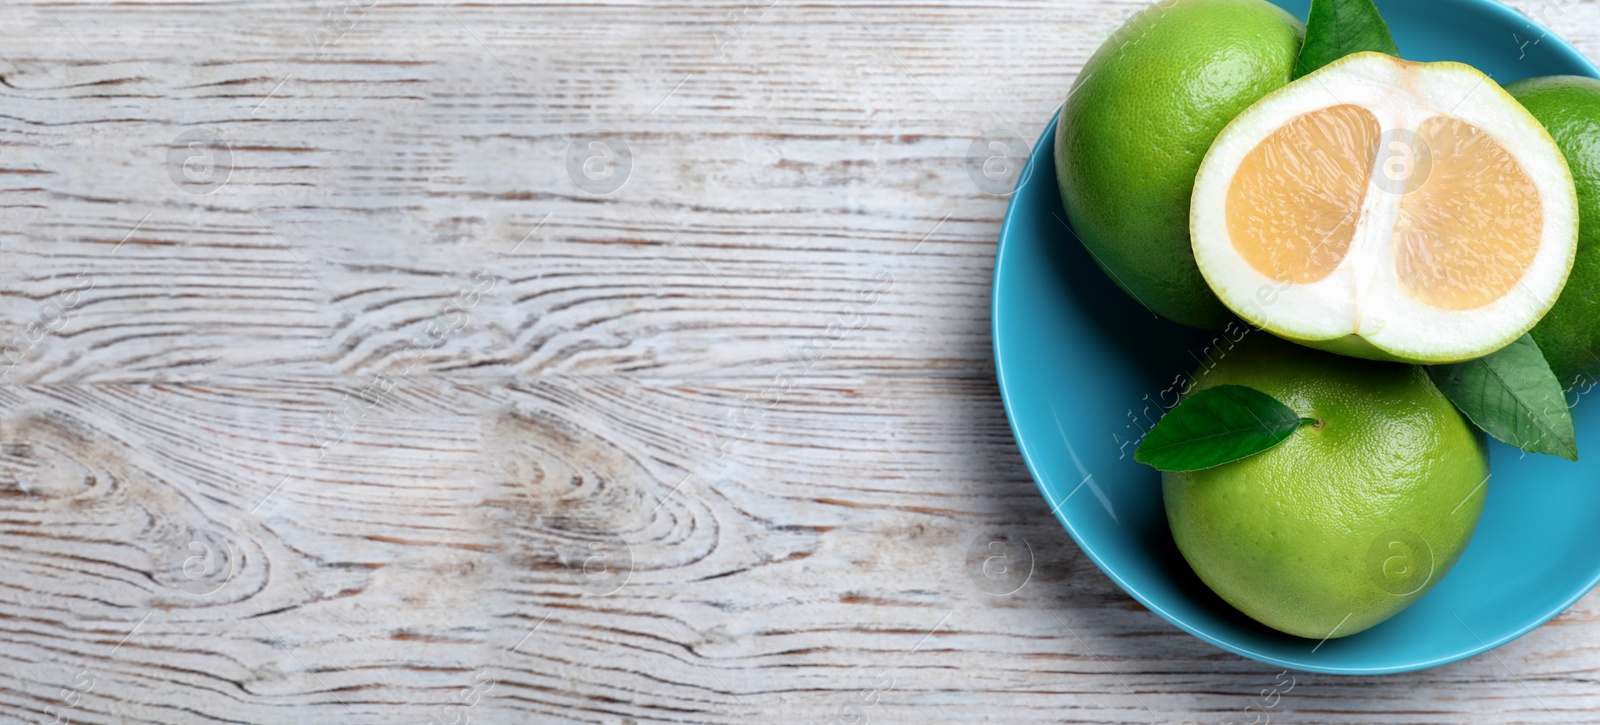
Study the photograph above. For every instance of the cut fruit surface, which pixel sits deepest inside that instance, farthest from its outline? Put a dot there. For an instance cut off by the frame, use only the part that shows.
(1389, 210)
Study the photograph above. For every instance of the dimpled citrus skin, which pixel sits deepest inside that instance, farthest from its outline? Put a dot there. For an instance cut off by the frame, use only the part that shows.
(1341, 526)
(1569, 334)
(1140, 118)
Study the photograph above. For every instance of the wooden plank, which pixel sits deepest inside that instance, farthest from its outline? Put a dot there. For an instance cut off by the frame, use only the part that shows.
(578, 543)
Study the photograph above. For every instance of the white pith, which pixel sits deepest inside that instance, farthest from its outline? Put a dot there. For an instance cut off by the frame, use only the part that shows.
(1363, 296)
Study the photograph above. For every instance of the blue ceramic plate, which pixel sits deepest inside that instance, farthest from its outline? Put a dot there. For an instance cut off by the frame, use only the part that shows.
(1084, 370)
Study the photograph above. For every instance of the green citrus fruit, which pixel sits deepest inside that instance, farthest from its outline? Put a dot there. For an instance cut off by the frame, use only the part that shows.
(1569, 108)
(1348, 521)
(1144, 110)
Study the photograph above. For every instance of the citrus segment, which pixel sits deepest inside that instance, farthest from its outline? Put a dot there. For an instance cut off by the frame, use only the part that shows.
(1295, 200)
(1468, 233)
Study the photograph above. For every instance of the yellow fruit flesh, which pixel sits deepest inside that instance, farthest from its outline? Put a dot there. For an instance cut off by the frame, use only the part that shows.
(1467, 234)
(1469, 220)
(1295, 201)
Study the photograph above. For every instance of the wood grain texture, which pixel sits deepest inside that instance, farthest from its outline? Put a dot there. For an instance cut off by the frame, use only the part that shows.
(397, 416)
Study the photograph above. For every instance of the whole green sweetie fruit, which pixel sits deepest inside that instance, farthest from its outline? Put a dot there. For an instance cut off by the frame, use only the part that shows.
(1346, 522)
(1140, 118)
(1569, 334)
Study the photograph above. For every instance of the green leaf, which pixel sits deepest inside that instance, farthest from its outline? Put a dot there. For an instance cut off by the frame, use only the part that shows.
(1512, 395)
(1217, 425)
(1337, 28)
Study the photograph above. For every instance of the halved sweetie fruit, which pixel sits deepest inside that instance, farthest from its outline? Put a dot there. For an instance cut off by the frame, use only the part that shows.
(1387, 209)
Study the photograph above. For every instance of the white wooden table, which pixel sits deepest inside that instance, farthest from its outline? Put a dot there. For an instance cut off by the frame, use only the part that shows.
(339, 389)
